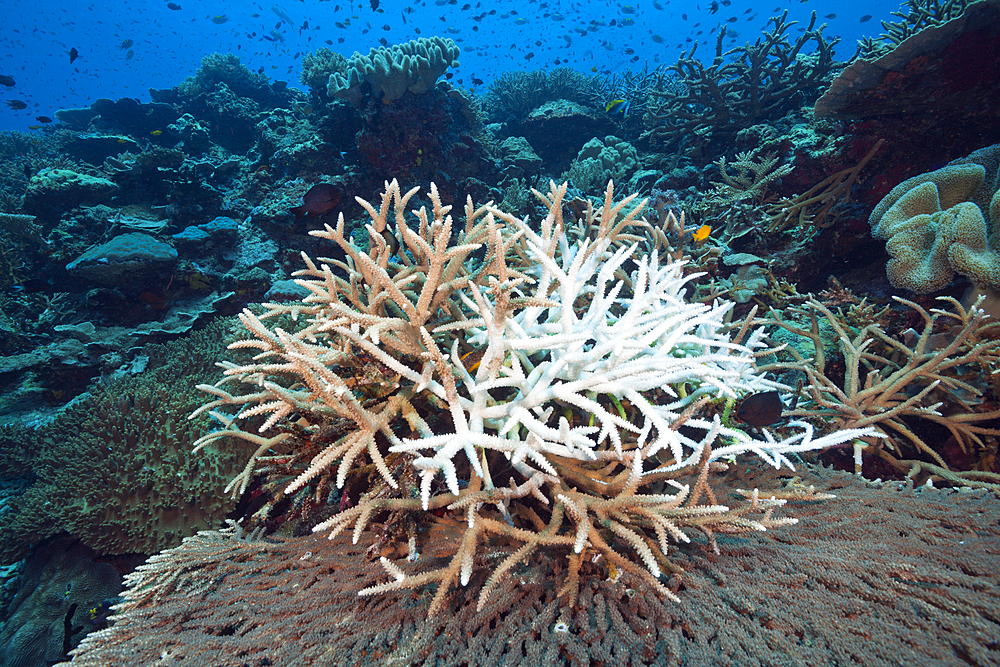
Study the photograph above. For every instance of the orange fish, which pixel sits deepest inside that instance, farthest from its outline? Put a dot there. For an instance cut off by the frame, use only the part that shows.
(702, 233)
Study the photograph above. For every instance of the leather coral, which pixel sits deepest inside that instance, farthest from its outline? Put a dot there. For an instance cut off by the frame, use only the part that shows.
(942, 223)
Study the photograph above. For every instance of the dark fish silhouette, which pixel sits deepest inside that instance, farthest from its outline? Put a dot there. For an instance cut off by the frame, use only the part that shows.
(6, 80)
(17, 105)
(73, 55)
(320, 199)
(760, 409)
(173, 5)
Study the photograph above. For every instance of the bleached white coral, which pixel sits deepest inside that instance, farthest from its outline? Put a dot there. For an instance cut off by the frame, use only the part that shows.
(589, 339)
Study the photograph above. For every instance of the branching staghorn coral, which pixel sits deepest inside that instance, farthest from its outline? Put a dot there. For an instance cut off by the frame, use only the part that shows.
(746, 85)
(540, 396)
(889, 384)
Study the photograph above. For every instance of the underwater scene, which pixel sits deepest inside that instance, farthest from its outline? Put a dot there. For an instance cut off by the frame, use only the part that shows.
(537, 332)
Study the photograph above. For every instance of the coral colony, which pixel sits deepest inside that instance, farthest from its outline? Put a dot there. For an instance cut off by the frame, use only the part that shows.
(693, 364)
(586, 408)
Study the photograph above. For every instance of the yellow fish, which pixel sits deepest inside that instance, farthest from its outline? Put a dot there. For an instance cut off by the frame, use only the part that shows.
(702, 233)
(156, 133)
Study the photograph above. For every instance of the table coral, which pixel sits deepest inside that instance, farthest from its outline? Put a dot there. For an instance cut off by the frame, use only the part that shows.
(920, 562)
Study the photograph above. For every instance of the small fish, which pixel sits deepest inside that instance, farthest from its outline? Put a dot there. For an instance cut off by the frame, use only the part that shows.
(6, 80)
(618, 108)
(282, 14)
(156, 133)
(130, 55)
(73, 55)
(760, 409)
(865, 19)
(374, 4)
(318, 200)
(126, 44)
(391, 241)
(173, 5)
(219, 19)
(17, 105)
(28, 171)
(43, 119)
(701, 233)
(830, 16)
(714, 7)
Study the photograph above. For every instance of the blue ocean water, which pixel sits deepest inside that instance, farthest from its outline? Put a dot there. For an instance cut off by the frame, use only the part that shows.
(127, 48)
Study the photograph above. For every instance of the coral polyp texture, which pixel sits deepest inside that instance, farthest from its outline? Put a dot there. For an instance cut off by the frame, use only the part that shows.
(546, 385)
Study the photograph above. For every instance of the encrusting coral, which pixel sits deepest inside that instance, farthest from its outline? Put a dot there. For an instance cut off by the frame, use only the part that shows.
(555, 381)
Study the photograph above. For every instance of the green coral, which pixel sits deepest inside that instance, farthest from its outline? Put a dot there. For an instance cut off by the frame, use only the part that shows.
(600, 161)
(388, 73)
(116, 468)
(701, 111)
(513, 95)
(224, 68)
(318, 66)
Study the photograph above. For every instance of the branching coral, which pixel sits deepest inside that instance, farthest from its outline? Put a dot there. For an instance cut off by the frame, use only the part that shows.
(546, 388)
(892, 385)
(749, 84)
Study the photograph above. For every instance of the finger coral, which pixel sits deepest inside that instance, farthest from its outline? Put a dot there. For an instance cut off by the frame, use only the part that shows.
(547, 387)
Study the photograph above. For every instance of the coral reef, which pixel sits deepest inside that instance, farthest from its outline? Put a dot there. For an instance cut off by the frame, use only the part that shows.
(927, 72)
(598, 162)
(317, 68)
(900, 387)
(222, 68)
(513, 95)
(52, 191)
(115, 469)
(63, 592)
(582, 381)
(124, 260)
